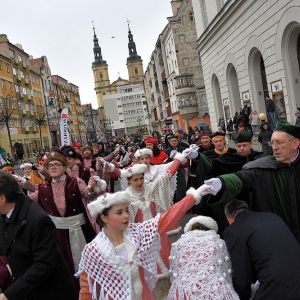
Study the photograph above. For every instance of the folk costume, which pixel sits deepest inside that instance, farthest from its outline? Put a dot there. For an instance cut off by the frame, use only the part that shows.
(156, 159)
(132, 271)
(206, 272)
(274, 186)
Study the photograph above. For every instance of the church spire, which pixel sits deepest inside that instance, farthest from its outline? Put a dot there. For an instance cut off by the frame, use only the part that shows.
(131, 46)
(97, 51)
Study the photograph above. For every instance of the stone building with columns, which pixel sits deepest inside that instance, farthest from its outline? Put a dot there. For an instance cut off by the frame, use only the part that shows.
(249, 49)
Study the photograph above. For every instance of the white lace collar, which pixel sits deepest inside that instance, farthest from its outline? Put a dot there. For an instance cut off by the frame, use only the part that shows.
(62, 178)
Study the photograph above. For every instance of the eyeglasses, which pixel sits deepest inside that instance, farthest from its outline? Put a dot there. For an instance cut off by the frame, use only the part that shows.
(54, 166)
(278, 144)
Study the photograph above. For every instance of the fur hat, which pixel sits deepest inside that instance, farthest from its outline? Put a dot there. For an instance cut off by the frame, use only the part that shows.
(25, 165)
(7, 167)
(135, 169)
(56, 156)
(107, 200)
(151, 140)
(206, 221)
(70, 152)
(138, 153)
(146, 151)
(87, 147)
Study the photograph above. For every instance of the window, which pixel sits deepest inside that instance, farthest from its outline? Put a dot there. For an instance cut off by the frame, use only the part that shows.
(192, 17)
(27, 107)
(11, 53)
(10, 86)
(120, 113)
(16, 123)
(136, 71)
(14, 71)
(37, 80)
(17, 88)
(3, 84)
(24, 90)
(7, 68)
(20, 58)
(188, 81)
(22, 74)
(199, 57)
(0, 65)
(121, 121)
(10, 124)
(119, 106)
(180, 82)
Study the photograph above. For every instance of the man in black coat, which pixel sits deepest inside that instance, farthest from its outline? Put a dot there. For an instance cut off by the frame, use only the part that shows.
(262, 248)
(28, 240)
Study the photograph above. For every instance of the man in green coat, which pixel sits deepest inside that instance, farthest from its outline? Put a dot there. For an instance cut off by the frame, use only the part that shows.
(272, 181)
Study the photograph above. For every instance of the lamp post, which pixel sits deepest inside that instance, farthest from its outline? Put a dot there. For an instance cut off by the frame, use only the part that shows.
(139, 121)
(7, 107)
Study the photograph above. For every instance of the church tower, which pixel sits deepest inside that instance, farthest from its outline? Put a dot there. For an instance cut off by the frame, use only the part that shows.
(134, 62)
(100, 70)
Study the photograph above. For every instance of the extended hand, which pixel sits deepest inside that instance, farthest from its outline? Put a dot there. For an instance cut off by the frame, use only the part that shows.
(173, 153)
(215, 185)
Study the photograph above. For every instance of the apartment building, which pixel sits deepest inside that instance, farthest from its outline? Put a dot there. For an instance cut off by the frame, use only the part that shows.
(127, 109)
(24, 86)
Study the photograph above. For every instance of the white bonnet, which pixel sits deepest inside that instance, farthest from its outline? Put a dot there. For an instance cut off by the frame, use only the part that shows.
(206, 221)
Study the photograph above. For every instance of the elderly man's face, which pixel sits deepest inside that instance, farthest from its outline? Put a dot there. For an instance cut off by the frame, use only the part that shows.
(205, 140)
(285, 147)
(173, 142)
(243, 149)
(219, 144)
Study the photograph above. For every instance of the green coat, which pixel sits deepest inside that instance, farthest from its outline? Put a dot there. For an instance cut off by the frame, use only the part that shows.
(273, 186)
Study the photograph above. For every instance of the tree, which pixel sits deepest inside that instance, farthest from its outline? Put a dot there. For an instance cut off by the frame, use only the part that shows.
(40, 119)
(8, 107)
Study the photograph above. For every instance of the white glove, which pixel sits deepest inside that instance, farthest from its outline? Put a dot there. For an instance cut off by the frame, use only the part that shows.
(122, 149)
(102, 160)
(191, 153)
(101, 185)
(173, 153)
(110, 167)
(215, 184)
(204, 189)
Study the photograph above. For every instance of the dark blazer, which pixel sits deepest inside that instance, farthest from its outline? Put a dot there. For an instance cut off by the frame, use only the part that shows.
(39, 271)
(263, 248)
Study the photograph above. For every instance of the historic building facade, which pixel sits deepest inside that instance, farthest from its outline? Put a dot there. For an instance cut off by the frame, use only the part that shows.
(174, 83)
(101, 74)
(249, 49)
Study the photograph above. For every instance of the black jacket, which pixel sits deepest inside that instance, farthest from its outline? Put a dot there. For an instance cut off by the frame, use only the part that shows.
(263, 248)
(270, 106)
(38, 268)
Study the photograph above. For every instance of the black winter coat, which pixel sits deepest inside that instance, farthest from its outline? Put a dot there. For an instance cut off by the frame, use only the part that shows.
(28, 239)
(262, 248)
(264, 137)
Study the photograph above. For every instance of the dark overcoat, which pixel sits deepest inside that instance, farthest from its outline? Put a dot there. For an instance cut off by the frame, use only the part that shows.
(28, 240)
(263, 248)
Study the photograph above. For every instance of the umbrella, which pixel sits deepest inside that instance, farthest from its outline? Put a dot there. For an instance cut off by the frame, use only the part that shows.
(167, 129)
(179, 129)
(202, 124)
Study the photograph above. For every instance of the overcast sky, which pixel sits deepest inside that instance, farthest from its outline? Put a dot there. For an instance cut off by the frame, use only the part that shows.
(62, 31)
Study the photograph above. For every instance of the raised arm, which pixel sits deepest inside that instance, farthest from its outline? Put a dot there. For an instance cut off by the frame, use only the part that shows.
(170, 218)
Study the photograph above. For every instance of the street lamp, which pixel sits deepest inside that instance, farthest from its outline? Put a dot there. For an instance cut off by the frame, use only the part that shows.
(139, 121)
(91, 114)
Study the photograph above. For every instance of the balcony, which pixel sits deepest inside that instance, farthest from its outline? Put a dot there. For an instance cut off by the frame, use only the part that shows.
(188, 109)
(163, 75)
(24, 65)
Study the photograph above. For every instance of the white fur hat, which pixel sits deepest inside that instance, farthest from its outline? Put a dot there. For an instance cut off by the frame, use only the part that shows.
(135, 169)
(206, 221)
(26, 164)
(143, 151)
(107, 200)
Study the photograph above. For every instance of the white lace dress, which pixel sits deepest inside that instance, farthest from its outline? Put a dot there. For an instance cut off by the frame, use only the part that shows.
(200, 268)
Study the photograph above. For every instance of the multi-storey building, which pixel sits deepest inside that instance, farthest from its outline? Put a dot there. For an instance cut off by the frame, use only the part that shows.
(65, 94)
(27, 98)
(174, 84)
(127, 109)
(249, 48)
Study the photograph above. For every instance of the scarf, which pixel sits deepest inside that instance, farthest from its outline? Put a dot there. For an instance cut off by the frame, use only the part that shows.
(221, 152)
